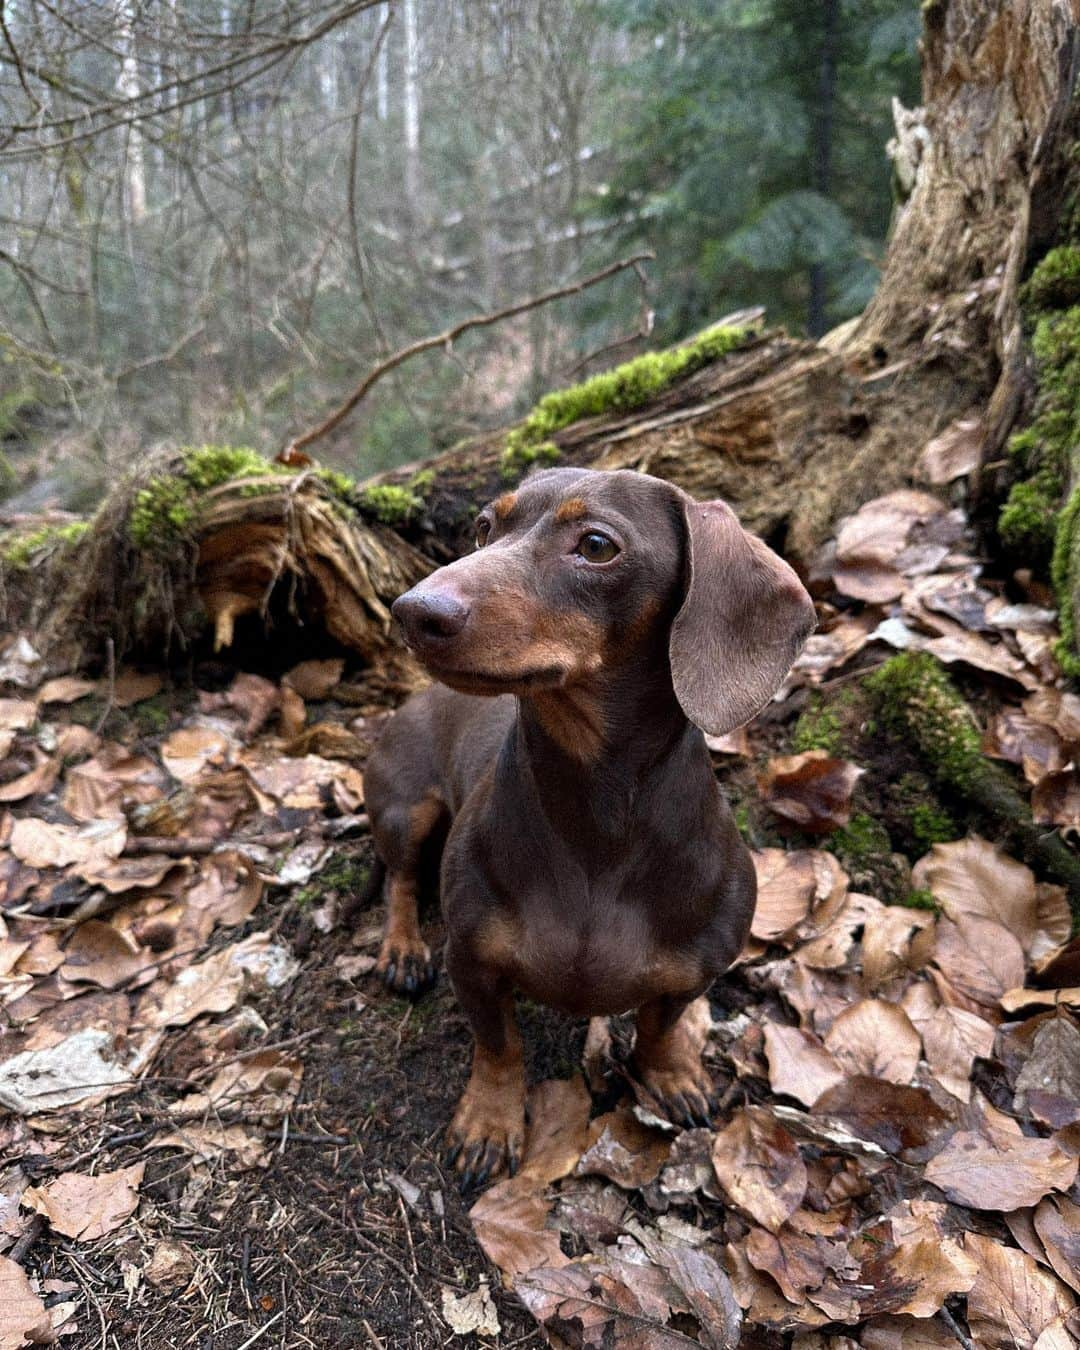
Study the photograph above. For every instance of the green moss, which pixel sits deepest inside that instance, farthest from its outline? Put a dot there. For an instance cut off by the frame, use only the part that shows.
(9, 479)
(340, 484)
(516, 460)
(818, 728)
(390, 503)
(1028, 520)
(167, 507)
(344, 872)
(918, 703)
(1055, 283)
(623, 389)
(920, 900)
(19, 550)
(932, 824)
(1063, 570)
(422, 482)
(151, 716)
(863, 838)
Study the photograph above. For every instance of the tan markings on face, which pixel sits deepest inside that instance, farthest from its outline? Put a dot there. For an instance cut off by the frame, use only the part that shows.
(504, 504)
(574, 719)
(574, 508)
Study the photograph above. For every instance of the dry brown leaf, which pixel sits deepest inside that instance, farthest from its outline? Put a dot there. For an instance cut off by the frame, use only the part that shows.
(38, 779)
(799, 1065)
(86, 1207)
(876, 1039)
(625, 1298)
(208, 1142)
(292, 717)
(824, 652)
(798, 1262)
(1015, 736)
(1012, 1301)
(759, 1166)
(1055, 800)
(998, 1171)
(887, 943)
(98, 954)
(1054, 921)
(623, 1150)
(23, 1318)
(906, 1333)
(1056, 709)
(952, 453)
(113, 779)
(1057, 1222)
(17, 714)
(801, 890)
(812, 790)
(264, 1084)
(131, 687)
(763, 1302)
(40, 844)
(255, 698)
(315, 679)
(147, 872)
(894, 1117)
(302, 781)
(171, 1264)
(1054, 1063)
(229, 888)
(952, 1039)
(65, 689)
(469, 1313)
(510, 1223)
(558, 1132)
(210, 986)
(971, 876)
(979, 957)
(188, 751)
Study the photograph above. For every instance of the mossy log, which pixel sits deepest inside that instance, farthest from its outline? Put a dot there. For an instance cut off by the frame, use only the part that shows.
(199, 542)
(916, 701)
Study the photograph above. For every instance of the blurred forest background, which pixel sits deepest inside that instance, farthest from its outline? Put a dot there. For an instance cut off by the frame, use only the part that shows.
(216, 215)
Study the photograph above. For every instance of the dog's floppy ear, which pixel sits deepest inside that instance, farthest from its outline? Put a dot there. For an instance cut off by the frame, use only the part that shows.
(744, 618)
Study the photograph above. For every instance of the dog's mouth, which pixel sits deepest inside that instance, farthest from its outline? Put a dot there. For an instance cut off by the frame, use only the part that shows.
(501, 682)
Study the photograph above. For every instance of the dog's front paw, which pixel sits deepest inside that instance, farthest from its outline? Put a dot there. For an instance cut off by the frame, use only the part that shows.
(487, 1134)
(405, 966)
(683, 1093)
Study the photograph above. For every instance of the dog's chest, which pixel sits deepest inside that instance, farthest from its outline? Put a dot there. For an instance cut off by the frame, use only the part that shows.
(598, 958)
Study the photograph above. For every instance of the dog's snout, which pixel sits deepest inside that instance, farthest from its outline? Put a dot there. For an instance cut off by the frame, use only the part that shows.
(434, 616)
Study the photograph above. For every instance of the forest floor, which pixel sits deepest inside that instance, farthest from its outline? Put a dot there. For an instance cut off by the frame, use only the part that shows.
(221, 1132)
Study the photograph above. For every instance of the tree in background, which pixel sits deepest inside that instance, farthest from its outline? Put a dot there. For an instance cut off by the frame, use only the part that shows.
(749, 150)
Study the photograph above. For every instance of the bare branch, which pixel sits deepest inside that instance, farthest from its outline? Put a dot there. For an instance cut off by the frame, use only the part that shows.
(446, 340)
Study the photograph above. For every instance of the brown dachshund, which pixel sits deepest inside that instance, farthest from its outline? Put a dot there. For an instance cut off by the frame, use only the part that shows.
(591, 860)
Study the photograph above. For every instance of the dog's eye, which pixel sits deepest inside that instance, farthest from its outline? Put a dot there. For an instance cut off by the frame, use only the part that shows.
(596, 547)
(483, 529)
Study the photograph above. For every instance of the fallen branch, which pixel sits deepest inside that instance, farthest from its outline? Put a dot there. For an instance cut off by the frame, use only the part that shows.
(447, 339)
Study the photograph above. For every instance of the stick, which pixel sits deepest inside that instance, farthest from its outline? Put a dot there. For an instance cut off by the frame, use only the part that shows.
(447, 339)
(262, 1330)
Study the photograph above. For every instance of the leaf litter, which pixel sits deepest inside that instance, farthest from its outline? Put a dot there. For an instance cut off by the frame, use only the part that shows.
(894, 1162)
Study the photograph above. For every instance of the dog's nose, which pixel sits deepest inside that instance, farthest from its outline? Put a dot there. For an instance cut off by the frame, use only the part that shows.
(432, 616)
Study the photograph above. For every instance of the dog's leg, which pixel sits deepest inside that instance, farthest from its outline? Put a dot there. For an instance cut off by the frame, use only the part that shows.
(488, 1129)
(404, 958)
(667, 1060)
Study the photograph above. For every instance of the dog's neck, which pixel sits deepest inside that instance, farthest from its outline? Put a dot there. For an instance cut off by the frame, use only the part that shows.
(590, 747)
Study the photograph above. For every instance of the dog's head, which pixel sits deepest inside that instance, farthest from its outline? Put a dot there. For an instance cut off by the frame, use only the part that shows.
(580, 571)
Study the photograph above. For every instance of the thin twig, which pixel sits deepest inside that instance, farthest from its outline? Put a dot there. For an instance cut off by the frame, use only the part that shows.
(110, 701)
(262, 1330)
(447, 340)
